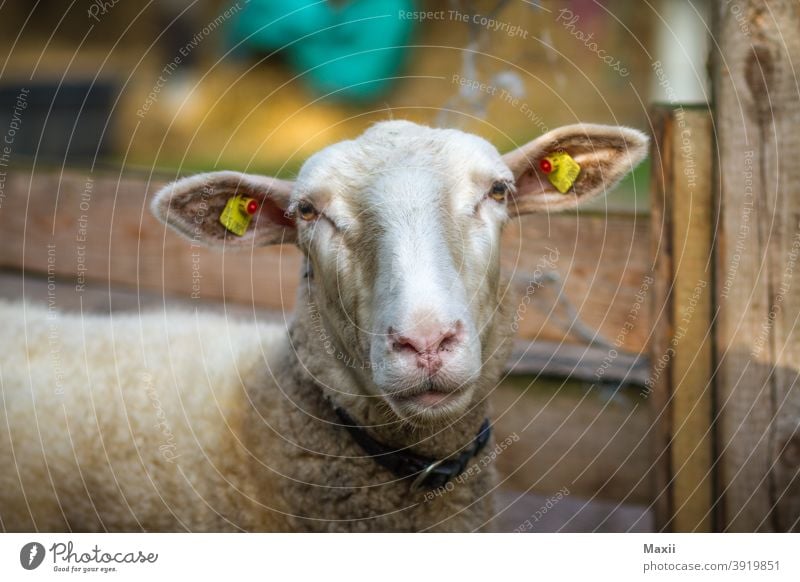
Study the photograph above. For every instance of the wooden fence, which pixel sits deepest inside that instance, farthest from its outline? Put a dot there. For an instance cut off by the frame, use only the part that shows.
(726, 226)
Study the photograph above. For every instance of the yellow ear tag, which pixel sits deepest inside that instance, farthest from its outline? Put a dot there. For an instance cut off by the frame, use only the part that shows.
(238, 213)
(561, 170)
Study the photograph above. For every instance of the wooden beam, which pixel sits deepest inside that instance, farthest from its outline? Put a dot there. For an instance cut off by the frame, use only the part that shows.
(757, 115)
(578, 362)
(682, 393)
(658, 385)
(692, 304)
(96, 227)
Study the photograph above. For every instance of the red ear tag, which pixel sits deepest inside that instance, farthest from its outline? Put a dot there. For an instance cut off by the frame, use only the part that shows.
(545, 165)
(252, 206)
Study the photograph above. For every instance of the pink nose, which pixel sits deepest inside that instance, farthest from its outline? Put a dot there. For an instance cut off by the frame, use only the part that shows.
(427, 348)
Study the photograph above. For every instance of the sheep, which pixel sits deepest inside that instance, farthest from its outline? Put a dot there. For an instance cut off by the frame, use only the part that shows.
(189, 421)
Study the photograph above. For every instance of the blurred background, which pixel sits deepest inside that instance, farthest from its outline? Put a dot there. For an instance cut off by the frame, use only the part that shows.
(260, 85)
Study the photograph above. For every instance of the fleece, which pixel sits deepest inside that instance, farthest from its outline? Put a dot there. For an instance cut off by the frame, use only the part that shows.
(191, 421)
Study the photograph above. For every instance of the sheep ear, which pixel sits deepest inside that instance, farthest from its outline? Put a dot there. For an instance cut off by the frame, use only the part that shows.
(192, 206)
(605, 155)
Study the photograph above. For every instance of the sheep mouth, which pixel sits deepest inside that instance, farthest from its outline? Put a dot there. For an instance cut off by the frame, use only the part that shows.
(428, 396)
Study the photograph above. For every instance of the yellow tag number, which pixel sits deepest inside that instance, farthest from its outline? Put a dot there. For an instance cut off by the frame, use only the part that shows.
(564, 172)
(235, 216)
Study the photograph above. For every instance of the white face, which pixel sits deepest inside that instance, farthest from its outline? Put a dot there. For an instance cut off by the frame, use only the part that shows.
(402, 229)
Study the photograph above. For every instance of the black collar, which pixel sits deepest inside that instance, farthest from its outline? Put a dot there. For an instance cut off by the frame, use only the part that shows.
(428, 473)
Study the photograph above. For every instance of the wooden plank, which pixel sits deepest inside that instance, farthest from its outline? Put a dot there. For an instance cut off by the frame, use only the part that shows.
(577, 362)
(680, 387)
(682, 346)
(687, 312)
(658, 387)
(692, 304)
(757, 114)
(572, 436)
(603, 260)
(100, 230)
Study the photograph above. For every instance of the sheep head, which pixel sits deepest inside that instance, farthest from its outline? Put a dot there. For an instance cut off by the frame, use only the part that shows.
(401, 230)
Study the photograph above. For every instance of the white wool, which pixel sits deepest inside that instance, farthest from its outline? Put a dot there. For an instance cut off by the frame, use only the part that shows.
(125, 397)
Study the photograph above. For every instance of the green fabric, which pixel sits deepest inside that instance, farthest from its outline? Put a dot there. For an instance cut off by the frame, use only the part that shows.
(350, 47)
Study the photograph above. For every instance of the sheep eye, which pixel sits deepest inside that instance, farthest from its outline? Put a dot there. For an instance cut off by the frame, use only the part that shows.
(498, 191)
(306, 210)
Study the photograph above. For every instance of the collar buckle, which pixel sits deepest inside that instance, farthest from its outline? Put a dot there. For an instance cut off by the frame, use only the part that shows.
(419, 482)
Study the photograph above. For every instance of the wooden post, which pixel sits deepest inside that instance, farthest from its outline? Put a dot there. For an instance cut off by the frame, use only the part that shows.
(680, 385)
(757, 118)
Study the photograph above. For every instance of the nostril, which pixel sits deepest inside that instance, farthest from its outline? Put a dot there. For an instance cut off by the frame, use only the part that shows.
(448, 341)
(403, 344)
(450, 338)
(427, 344)
(408, 343)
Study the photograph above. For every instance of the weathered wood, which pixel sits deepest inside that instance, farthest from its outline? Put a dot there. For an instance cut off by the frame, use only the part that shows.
(757, 115)
(97, 227)
(692, 304)
(577, 362)
(572, 436)
(101, 230)
(603, 259)
(657, 387)
(682, 352)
